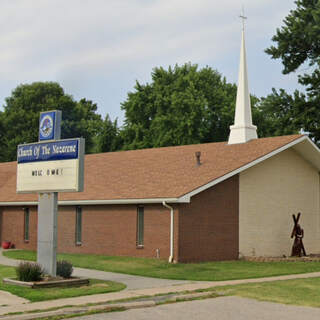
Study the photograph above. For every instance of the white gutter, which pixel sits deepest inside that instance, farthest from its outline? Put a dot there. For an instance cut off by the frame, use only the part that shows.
(99, 202)
(171, 230)
(21, 203)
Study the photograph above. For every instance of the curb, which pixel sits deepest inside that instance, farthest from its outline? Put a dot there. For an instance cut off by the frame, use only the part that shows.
(80, 310)
(107, 307)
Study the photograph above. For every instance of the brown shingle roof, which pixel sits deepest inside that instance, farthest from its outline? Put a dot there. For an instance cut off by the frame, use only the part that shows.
(168, 172)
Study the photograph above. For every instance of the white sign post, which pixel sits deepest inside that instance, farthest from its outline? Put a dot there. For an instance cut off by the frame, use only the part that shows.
(46, 168)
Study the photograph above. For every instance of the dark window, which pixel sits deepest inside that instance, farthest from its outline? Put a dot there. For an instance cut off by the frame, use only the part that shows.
(140, 226)
(26, 224)
(78, 225)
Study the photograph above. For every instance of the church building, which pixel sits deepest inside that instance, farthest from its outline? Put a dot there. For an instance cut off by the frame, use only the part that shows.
(204, 202)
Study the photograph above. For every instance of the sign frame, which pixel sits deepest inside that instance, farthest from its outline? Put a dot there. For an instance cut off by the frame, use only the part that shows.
(79, 165)
(50, 125)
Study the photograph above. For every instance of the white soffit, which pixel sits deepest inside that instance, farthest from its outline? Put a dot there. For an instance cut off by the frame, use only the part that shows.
(309, 151)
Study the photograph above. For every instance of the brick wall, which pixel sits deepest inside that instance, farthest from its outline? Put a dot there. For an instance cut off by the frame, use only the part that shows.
(13, 227)
(204, 230)
(109, 230)
(208, 226)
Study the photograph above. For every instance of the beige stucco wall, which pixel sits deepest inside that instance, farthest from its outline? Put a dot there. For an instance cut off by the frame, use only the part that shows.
(269, 193)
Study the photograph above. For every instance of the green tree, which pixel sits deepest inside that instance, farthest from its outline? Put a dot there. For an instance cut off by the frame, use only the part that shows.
(182, 105)
(2, 139)
(20, 118)
(109, 138)
(280, 111)
(297, 43)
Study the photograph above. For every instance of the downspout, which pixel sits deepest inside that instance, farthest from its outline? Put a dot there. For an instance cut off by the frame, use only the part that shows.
(171, 230)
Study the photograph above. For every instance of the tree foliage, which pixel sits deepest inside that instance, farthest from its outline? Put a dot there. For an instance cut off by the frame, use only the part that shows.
(20, 118)
(279, 110)
(297, 43)
(109, 138)
(182, 105)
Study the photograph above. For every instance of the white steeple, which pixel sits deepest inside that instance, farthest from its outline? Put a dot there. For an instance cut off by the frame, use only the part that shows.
(243, 130)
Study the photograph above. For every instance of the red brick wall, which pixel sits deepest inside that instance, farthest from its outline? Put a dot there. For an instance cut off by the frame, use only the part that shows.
(13, 227)
(109, 230)
(209, 225)
(206, 229)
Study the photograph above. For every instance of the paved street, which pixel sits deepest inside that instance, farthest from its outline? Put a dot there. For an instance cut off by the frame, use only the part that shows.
(224, 308)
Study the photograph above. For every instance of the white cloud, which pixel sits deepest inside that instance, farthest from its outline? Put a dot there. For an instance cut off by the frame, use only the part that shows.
(87, 44)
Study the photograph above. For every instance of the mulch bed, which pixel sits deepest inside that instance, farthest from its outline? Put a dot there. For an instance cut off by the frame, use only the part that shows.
(308, 258)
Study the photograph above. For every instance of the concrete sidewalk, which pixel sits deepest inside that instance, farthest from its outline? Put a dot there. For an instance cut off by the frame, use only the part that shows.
(132, 282)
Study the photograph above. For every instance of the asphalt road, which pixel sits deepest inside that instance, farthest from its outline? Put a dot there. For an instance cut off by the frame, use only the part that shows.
(224, 308)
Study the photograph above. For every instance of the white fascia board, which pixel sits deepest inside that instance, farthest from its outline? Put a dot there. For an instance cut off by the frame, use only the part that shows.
(119, 201)
(99, 202)
(245, 167)
(16, 203)
(310, 152)
(313, 144)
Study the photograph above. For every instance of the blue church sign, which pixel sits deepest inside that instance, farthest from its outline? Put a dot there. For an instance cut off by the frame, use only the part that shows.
(48, 151)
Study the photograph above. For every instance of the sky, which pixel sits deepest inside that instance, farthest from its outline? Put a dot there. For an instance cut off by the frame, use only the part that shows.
(97, 49)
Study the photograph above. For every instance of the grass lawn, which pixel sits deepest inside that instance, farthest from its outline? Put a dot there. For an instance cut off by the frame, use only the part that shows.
(208, 271)
(96, 286)
(304, 292)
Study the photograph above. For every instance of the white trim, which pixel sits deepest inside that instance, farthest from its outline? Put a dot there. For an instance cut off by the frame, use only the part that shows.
(170, 259)
(119, 201)
(99, 202)
(313, 144)
(245, 167)
(22, 203)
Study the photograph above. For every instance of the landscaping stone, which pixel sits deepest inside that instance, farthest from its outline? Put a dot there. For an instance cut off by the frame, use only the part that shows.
(48, 283)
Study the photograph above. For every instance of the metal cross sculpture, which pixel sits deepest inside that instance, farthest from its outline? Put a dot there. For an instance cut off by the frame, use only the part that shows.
(297, 233)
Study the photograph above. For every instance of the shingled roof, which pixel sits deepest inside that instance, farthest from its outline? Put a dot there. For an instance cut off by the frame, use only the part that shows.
(159, 173)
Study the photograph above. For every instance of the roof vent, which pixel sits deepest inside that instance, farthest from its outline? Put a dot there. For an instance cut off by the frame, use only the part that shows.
(198, 155)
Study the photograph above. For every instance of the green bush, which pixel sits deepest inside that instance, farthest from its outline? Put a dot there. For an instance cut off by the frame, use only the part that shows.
(28, 271)
(64, 269)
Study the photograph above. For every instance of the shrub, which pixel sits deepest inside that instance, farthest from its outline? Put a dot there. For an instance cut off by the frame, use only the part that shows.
(28, 271)
(64, 269)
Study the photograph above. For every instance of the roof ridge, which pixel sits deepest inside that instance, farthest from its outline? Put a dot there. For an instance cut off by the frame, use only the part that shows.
(195, 144)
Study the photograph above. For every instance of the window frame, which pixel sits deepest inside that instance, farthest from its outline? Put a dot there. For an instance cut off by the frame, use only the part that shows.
(78, 226)
(26, 224)
(140, 227)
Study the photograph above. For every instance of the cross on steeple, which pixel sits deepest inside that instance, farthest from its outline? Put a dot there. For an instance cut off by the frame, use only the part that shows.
(243, 17)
